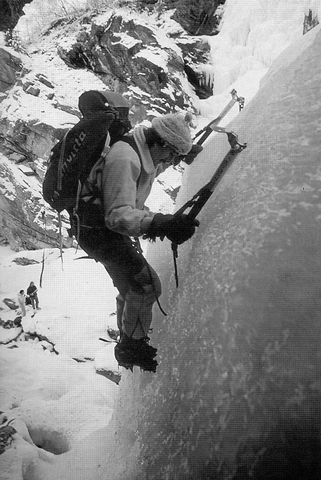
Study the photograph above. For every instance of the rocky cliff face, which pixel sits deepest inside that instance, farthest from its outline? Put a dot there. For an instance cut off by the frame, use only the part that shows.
(11, 11)
(10, 68)
(197, 17)
(131, 55)
(157, 71)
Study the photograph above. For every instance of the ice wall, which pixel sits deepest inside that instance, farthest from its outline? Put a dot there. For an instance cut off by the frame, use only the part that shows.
(252, 35)
(237, 393)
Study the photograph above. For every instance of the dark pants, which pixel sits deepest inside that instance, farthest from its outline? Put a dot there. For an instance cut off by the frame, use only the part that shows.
(34, 300)
(137, 283)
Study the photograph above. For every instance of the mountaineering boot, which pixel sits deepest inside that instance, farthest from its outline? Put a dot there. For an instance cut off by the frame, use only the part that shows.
(130, 352)
(128, 360)
(138, 346)
(144, 347)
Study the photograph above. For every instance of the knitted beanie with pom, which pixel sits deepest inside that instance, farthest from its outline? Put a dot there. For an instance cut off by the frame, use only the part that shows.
(174, 129)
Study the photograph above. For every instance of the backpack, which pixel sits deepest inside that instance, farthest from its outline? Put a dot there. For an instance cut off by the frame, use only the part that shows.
(89, 210)
(105, 121)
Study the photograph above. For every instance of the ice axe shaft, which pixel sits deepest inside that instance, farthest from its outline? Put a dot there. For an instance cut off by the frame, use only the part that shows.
(198, 201)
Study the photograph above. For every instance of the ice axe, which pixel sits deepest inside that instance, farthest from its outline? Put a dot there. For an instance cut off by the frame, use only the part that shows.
(197, 202)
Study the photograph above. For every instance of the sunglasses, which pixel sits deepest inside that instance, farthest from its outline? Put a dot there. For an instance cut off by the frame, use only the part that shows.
(175, 154)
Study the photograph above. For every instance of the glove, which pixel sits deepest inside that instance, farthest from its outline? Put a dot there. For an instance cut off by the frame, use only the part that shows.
(192, 154)
(176, 229)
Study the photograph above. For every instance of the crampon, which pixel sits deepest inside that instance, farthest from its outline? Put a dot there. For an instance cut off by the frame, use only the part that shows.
(143, 359)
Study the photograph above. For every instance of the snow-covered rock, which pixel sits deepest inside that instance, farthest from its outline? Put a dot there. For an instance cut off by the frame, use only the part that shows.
(131, 54)
(23, 223)
(7, 335)
(10, 66)
(132, 51)
(106, 364)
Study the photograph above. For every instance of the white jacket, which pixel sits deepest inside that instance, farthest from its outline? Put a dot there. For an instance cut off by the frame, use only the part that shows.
(126, 184)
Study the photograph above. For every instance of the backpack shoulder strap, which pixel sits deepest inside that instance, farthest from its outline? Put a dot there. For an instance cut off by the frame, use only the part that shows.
(88, 191)
(132, 143)
(106, 146)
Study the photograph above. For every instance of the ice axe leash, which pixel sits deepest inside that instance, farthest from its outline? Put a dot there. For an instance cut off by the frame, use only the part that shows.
(197, 202)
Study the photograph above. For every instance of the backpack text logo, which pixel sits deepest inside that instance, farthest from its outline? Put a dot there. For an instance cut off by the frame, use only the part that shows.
(75, 149)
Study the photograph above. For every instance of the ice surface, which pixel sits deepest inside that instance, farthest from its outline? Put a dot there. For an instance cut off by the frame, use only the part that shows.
(238, 385)
(239, 349)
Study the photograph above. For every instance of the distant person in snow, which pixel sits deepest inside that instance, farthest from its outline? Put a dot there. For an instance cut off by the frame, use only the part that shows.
(32, 292)
(108, 226)
(22, 302)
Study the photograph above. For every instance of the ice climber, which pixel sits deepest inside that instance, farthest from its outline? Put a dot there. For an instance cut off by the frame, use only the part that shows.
(125, 179)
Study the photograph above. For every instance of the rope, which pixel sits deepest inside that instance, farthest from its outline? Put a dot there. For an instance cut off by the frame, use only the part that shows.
(140, 251)
(43, 214)
(75, 215)
(60, 240)
(138, 320)
(175, 256)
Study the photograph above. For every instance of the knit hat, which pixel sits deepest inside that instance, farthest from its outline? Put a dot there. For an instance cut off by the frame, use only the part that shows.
(174, 129)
